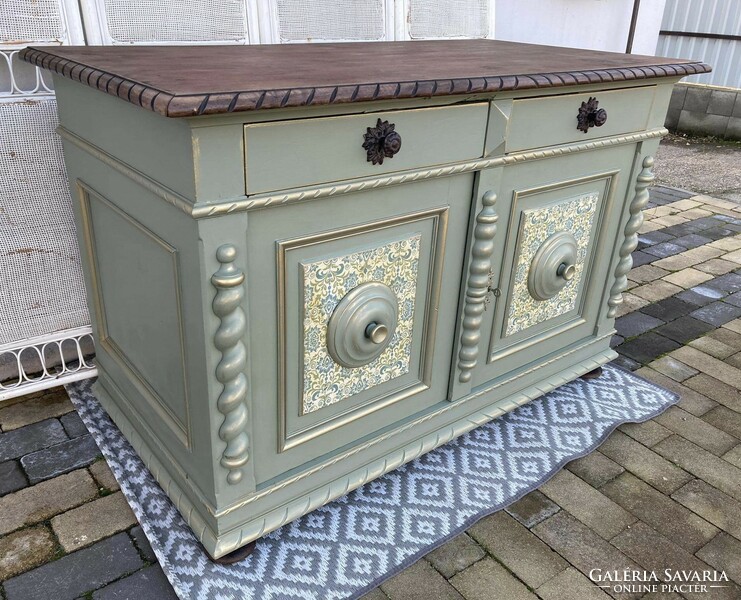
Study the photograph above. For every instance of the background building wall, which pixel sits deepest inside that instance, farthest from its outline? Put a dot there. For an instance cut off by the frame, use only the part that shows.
(720, 20)
(710, 31)
(593, 24)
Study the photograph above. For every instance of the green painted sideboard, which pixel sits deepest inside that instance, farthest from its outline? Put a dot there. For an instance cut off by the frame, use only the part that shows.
(308, 265)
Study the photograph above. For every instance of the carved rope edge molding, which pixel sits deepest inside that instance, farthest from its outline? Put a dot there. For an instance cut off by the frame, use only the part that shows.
(204, 210)
(192, 105)
(477, 286)
(640, 199)
(209, 210)
(230, 371)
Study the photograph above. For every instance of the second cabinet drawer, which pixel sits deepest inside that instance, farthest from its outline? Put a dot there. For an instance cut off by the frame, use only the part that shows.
(548, 121)
(288, 154)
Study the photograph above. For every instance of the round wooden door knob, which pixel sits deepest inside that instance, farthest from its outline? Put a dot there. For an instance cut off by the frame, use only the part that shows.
(362, 325)
(566, 271)
(377, 333)
(553, 266)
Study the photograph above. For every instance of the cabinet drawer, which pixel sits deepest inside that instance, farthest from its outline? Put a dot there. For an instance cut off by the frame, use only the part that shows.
(289, 154)
(552, 120)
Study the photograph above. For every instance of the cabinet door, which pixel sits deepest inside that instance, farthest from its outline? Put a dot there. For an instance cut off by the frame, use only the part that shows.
(557, 233)
(352, 306)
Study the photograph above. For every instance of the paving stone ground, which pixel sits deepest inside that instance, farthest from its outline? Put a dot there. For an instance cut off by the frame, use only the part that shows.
(656, 495)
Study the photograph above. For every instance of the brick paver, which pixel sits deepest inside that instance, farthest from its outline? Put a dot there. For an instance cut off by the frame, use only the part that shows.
(590, 506)
(479, 581)
(517, 548)
(94, 521)
(44, 500)
(22, 550)
(76, 573)
(455, 556)
(104, 476)
(663, 514)
(582, 547)
(595, 468)
(420, 582)
(723, 552)
(53, 403)
(656, 495)
(532, 508)
(655, 553)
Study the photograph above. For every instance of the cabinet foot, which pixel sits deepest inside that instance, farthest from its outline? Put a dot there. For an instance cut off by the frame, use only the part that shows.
(592, 374)
(237, 555)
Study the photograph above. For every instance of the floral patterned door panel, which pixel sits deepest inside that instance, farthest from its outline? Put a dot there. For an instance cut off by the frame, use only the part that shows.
(555, 237)
(366, 299)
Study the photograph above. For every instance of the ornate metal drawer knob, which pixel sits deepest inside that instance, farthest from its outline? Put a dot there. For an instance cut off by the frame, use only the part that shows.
(590, 115)
(381, 142)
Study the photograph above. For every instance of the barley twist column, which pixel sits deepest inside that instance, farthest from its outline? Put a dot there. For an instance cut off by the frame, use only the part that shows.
(230, 371)
(640, 199)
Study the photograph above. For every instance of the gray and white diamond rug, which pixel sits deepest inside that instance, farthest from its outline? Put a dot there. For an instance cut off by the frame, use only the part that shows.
(351, 545)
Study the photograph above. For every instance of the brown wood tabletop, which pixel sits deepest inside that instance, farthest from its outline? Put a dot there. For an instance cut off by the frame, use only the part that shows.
(182, 81)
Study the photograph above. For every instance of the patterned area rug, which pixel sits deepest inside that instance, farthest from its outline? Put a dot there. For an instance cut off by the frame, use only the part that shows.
(351, 545)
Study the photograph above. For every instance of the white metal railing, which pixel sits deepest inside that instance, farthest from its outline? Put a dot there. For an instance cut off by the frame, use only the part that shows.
(21, 80)
(35, 362)
(46, 361)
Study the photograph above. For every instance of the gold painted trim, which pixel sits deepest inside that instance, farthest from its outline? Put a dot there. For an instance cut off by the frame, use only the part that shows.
(638, 203)
(274, 518)
(502, 308)
(180, 429)
(181, 489)
(200, 210)
(287, 440)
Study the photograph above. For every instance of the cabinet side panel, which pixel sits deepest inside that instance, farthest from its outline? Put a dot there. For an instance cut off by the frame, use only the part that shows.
(143, 277)
(136, 285)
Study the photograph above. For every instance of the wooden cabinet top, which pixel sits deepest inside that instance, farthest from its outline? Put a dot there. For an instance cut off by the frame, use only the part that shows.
(185, 81)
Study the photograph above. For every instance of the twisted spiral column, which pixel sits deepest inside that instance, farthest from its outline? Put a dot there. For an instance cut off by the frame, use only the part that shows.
(477, 286)
(640, 199)
(230, 371)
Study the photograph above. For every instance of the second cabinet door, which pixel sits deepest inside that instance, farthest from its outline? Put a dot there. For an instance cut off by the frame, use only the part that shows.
(553, 249)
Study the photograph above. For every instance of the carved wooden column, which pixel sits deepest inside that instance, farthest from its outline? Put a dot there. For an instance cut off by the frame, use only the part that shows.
(477, 286)
(640, 199)
(230, 371)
